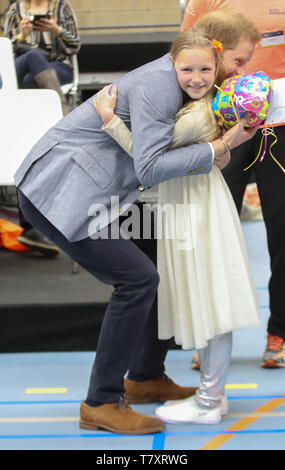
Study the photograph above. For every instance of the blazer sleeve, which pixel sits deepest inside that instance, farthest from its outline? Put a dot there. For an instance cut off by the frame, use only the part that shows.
(153, 106)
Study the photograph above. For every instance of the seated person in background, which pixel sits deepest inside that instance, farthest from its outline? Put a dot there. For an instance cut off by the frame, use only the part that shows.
(43, 46)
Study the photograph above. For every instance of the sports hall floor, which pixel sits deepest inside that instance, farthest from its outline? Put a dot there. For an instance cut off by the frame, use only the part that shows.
(40, 393)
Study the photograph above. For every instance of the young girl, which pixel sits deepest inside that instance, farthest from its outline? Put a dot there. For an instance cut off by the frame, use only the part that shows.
(206, 290)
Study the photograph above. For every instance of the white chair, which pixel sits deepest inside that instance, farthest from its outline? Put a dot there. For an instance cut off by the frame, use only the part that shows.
(25, 116)
(7, 66)
(71, 89)
(9, 77)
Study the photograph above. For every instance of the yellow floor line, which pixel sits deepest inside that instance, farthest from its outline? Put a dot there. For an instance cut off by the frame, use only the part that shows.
(40, 420)
(280, 414)
(71, 419)
(243, 423)
(240, 386)
(45, 390)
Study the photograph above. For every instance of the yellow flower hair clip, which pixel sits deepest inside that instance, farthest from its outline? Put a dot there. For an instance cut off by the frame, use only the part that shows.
(217, 45)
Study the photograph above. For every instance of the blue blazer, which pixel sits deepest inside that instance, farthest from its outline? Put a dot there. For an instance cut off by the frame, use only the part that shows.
(76, 170)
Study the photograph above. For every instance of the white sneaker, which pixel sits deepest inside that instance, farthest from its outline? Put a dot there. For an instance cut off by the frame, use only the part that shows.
(224, 404)
(188, 412)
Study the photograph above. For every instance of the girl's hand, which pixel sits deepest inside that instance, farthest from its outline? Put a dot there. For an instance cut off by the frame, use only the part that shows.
(105, 103)
(47, 24)
(26, 27)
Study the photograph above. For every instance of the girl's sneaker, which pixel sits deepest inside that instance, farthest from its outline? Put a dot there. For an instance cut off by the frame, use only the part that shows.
(224, 404)
(189, 411)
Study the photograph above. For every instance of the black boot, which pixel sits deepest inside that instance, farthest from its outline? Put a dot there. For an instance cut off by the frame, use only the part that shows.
(38, 242)
(49, 79)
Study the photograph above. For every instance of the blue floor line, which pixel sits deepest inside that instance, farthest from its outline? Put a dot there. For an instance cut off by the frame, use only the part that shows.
(45, 402)
(217, 433)
(158, 440)
(256, 397)
(67, 402)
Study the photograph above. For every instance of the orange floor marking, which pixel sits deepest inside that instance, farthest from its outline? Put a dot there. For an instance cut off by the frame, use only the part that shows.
(241, 424)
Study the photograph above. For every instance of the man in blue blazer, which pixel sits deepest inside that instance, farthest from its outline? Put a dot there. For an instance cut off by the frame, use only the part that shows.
(75, 167)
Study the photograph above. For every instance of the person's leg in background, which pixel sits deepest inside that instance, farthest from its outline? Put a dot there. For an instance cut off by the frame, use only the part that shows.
(35, 71)
(270, 182)
(271, 188)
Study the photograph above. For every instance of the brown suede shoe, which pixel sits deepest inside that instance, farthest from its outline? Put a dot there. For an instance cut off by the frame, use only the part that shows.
(119, 418)
(158, 389)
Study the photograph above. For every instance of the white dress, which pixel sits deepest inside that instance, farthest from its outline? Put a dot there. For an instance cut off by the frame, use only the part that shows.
(206, 287)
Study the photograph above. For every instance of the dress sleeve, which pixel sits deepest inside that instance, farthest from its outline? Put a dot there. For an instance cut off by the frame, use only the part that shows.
(117, 129)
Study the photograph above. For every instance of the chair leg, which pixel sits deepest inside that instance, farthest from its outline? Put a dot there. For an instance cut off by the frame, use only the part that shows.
(75, 267)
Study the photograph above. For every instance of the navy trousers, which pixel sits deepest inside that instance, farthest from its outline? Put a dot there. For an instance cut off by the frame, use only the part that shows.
(33, 62)
(128, 339)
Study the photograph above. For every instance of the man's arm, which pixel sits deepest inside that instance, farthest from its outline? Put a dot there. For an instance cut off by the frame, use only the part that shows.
(153, 105)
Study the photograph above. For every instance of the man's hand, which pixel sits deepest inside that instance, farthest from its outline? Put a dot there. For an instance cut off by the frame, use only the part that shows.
(223, 160)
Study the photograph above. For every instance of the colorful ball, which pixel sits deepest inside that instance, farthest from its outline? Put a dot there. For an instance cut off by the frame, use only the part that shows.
(242, 93)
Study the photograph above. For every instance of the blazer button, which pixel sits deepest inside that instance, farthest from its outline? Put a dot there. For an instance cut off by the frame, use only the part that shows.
(141, 188)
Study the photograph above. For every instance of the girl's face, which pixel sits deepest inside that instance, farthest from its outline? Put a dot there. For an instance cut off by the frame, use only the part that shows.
(195, 70)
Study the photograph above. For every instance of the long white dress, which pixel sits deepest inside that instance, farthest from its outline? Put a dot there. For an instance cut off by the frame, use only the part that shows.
(206, 287)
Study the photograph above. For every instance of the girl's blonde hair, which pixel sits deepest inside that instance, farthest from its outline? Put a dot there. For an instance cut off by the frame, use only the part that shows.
(228, 26)
(195, 39)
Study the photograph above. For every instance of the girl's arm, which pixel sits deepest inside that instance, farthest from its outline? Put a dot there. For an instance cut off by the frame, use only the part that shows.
(105, 103)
